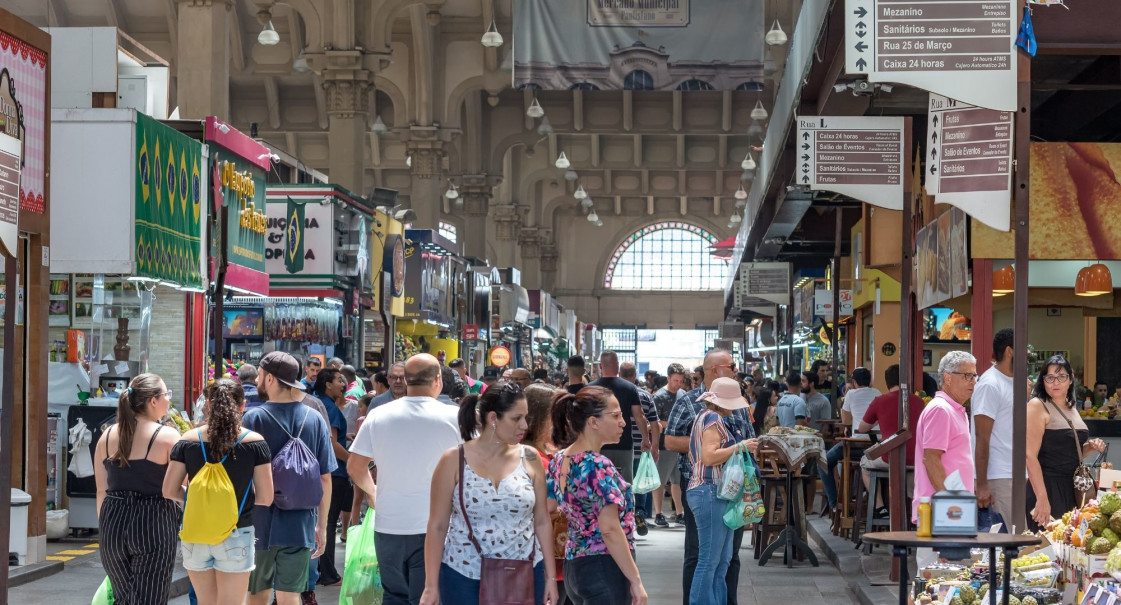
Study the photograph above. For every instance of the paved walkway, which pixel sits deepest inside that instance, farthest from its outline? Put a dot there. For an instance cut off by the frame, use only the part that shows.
(659, 555)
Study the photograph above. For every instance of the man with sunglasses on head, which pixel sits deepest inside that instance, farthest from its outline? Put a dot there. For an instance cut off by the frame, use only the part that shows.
(718, 363)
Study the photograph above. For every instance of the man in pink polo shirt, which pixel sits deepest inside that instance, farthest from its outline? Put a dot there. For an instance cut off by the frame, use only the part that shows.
(942, 443)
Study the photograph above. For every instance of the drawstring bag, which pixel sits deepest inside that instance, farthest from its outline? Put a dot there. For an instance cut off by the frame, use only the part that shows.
(647, 478)
(748, 509)
(732, 481)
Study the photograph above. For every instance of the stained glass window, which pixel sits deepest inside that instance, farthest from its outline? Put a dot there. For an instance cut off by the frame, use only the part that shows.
(449, 232)
(671, 255)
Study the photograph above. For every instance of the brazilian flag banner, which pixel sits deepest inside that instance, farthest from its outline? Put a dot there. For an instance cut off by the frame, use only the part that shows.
(168, 204)
(294, 237)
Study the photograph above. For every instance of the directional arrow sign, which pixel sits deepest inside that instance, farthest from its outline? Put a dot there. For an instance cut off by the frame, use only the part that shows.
(805, 145)
(805, 157)
(862, 157)
(963, 49)
(971, 159)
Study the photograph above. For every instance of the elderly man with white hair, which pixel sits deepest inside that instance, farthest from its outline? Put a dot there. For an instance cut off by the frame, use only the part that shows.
(942, 443)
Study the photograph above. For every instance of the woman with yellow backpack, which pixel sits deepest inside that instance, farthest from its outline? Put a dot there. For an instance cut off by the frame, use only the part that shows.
(229, 470)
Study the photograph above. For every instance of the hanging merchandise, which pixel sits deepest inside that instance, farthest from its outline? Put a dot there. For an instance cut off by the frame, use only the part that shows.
(305, 323)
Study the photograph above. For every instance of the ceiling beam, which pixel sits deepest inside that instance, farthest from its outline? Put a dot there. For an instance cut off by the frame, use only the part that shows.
(726, 111)
(272, 100)
(628, 110)
(320, 101)
(295, 34)
(56, 14)
(237, 43)
(676, 110)
(292, 144)
(637, 151)
(113, 15)
(172, 25)
(680, 155)
(578, 109)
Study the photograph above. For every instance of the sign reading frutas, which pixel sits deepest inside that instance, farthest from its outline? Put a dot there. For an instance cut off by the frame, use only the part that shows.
(963, 49)
(969, 159)
(859, 157)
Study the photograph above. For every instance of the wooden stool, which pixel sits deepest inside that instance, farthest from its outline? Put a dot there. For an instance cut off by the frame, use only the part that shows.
(774, 519)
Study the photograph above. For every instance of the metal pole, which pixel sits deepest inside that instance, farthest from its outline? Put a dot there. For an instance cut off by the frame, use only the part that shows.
(835, 333)
(7, 400)
(219, 293)
(897, 473)
(1020, 323)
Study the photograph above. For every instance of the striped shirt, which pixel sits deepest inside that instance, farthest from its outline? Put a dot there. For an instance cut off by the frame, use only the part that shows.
(706, 474)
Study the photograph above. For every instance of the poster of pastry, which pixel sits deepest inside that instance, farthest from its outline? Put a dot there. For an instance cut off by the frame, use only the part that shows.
(959, 255)
(1075, 199)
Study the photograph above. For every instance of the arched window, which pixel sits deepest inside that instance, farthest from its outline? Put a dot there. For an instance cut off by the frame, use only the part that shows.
(583, 86)
(750, 86)
(638, 80)
(671, 255)
(694, 84)
(449, 232)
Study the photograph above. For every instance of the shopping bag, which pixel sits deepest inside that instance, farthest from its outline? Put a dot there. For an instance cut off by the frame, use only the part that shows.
(731, 483)
(104, 594)
(361, 578)
(647, 478)
(748, 509)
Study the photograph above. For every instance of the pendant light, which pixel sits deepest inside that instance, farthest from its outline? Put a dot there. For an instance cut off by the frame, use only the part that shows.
(587, 202)
(268, 35)
(1080, 281)
(562, 162)
(378, 127)
(741, 193)
(760, 112)
(775, 37)
(545, 128)
(592, 216)
(535, 110)
(580, 194)
(748, 162)
(570, 175)
(493, 39)
(1098, 280)
(598, 222)
(735, 220)
(452, 192)
(1004, 281)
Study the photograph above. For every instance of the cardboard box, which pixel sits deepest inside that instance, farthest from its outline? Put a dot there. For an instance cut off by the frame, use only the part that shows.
(75, 346)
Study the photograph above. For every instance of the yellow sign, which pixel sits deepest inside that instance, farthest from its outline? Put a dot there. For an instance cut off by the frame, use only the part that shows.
(253, 220)
(500, 356)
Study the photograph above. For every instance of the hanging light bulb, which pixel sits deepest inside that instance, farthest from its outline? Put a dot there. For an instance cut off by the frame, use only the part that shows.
(580, 193)
(599, 223)
(776, 37)
(760, 112)
(535, 110)
(587, 202)
(562, 161)
(268, 35)
(452, 192)
(378, 126)
(748, 162)
(592, 216)
(409, 161)
(570, 175)
(731, 225)
(545, 128)
(741, 193)
(493, 39)
(735, 220)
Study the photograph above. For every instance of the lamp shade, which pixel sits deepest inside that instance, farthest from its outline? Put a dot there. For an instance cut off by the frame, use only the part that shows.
(1004, 281)
(1099, 280)
(1080, 282)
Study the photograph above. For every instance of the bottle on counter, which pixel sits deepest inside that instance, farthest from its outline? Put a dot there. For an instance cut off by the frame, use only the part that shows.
(926, 521)
(1088, 404)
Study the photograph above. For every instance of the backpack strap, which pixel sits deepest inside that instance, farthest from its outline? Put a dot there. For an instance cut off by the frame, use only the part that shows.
(279, 423)
(202, 446)
(304, 421)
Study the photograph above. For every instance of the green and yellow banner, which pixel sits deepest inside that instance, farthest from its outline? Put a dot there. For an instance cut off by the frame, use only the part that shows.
(168, 204)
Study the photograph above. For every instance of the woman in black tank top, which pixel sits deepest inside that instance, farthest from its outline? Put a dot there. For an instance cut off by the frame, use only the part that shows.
(136, 522)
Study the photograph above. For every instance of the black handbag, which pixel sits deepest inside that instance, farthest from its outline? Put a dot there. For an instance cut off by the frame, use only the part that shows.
(1085, 487)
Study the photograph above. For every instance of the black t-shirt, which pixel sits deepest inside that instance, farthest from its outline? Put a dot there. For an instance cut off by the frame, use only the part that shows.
(627, 394)
(574, 388)
(239, 466)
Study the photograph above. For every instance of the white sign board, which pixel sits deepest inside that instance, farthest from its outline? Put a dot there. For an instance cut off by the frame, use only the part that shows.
(857, 156)
(9, 192)
(764, 283)
(965, 49)
(319, 239)
(823, 303)
(969, 159)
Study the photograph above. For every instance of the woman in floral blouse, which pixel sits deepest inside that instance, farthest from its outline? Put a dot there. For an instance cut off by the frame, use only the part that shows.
(599, 562)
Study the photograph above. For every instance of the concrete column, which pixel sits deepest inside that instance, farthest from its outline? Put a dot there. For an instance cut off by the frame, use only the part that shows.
(426, 197)
(476, 193)
(348, 102)
(529, 243)
(549, 266)
(203, 58)
(507, 223)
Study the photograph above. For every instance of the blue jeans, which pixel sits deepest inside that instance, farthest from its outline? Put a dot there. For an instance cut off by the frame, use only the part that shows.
(714, 549)
(595, 580)
(461, 590)
(827, 479)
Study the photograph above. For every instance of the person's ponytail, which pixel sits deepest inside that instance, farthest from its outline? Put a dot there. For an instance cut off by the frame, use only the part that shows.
(468, 417)
(130, 404)
(571, 412)
(562, 433)
(224, 422)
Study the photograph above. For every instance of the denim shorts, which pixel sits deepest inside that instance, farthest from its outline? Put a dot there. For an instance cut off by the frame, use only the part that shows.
(232, 555)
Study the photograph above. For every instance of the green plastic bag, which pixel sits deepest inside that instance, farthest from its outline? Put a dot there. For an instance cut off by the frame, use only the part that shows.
(647, 478)
(748, 508)
(361, 578)
(104, 594)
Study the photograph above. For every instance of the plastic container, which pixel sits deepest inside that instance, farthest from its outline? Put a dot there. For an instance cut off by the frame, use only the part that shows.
(17, 536)
(926, 522)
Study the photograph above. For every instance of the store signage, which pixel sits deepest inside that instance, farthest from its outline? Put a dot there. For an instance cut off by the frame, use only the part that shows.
(963, 49)
(243, 191)
(500, 356)
(393, 263)
(763, 284)
(316, 237)
(11, 154)
(969, 159)
(168, 194)
(888, 349)
(859, 157)
(823, 303)
(470, 332)
(26, 66)
(427, 279)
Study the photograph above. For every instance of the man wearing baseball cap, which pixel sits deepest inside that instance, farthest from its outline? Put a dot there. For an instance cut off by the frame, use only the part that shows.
(287, 539)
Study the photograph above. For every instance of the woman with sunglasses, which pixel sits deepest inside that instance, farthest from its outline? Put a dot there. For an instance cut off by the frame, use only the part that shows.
(488, 500)
(138, 525)
(1053, 427)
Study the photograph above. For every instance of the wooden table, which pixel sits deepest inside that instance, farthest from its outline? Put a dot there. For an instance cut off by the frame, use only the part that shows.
(806, 448)
(900, 541)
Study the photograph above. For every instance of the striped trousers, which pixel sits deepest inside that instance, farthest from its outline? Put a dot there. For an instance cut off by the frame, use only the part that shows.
(138, 542)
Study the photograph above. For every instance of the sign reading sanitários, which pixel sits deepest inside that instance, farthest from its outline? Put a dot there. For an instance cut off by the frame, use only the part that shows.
(969, 159)
(964, 49)
(861, 157)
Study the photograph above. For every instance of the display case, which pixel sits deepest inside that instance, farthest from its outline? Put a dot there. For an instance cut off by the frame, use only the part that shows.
(122, 299)
(59, 308)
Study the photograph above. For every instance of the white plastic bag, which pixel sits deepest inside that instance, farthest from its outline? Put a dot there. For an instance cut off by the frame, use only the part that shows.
(731, 484)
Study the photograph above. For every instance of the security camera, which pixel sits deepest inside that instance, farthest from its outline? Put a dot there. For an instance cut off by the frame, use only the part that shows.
(862, 87)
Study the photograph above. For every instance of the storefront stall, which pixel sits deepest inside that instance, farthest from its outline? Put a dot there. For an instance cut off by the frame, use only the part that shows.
(429, 319)
(386, 303)
(476, 324)
(510, 317)
(549, 350)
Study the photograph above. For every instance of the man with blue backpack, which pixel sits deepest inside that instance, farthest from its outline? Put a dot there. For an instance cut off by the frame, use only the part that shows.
(292, 530)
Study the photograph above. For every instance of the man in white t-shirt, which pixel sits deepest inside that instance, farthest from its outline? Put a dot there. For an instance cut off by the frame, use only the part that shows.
(857, 401)
(991, 407)
(405, 439)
